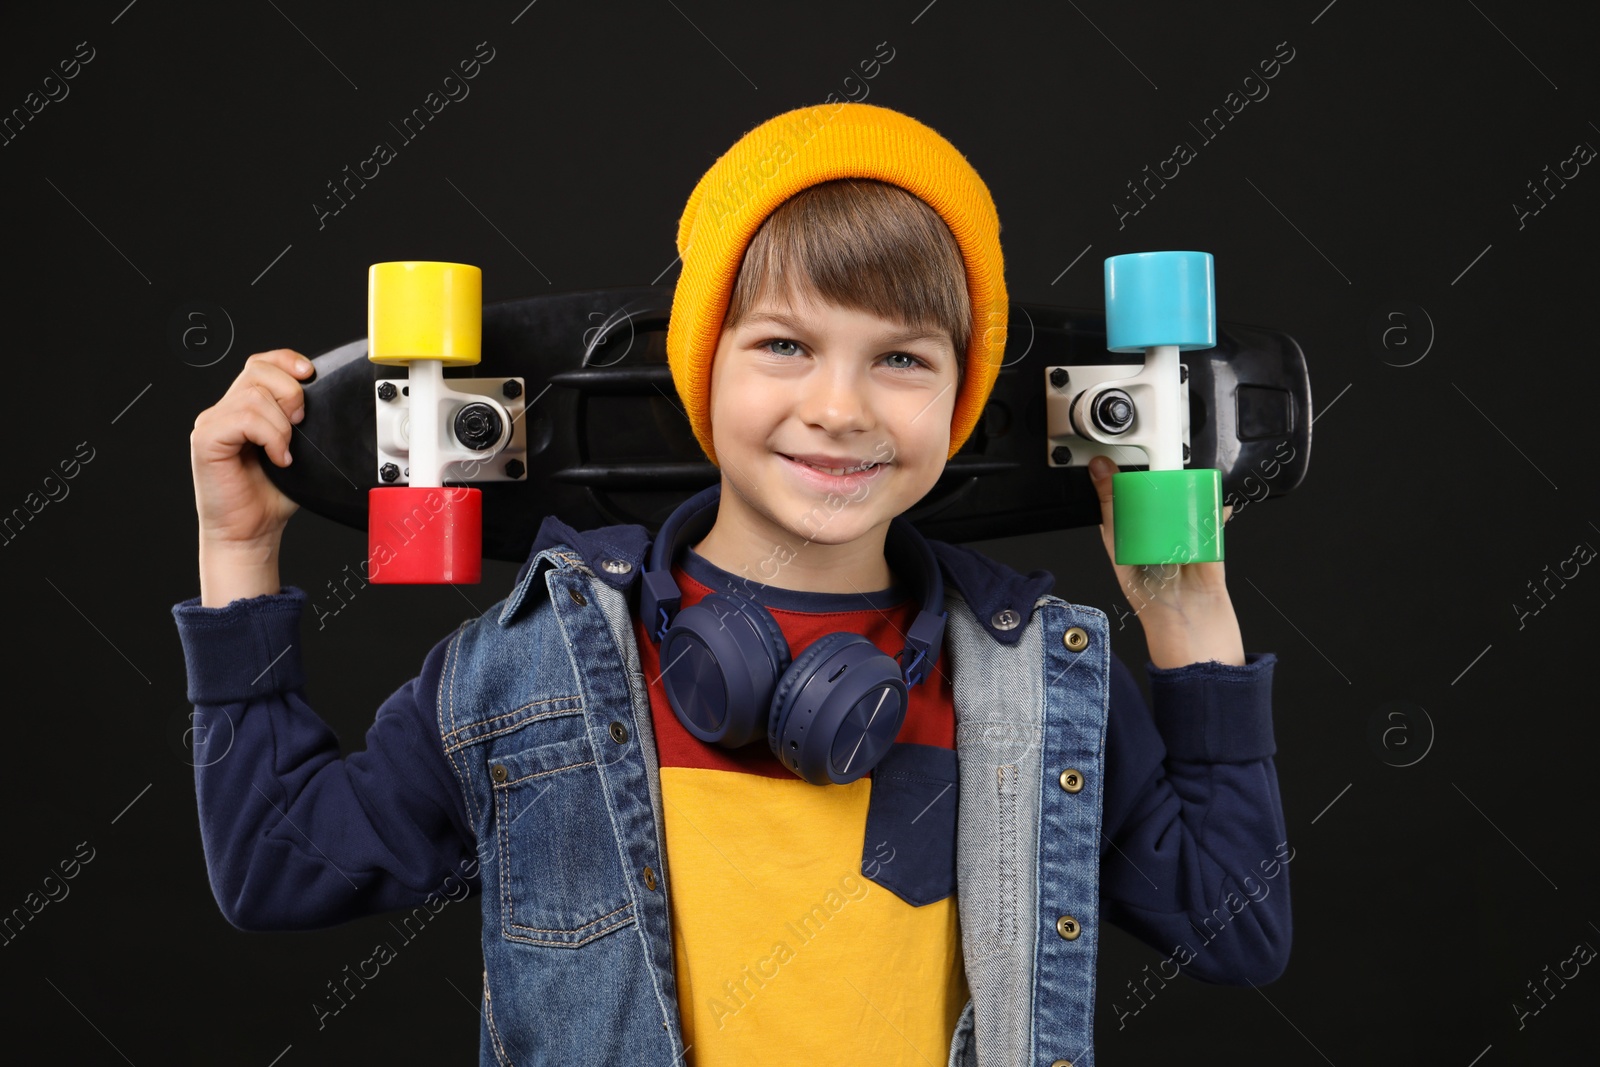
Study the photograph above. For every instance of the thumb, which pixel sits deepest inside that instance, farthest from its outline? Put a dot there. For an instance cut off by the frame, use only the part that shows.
(1101, 468)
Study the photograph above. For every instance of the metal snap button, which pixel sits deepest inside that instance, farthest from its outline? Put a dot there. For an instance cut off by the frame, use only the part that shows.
(1076, 639)
(1005, 619)
(1071, 780)
(1068, 928)
(1062, 1063)
(619, 732)
(498, 772)
(650, 879)
(577, 597)
(616, 566)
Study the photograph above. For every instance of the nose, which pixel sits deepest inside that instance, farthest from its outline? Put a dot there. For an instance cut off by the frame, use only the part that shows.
(834, 398)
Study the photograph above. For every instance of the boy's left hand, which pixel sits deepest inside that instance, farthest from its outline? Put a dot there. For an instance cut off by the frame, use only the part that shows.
(1185, 608)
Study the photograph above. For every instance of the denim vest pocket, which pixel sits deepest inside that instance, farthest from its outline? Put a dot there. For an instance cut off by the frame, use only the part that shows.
(561, 884)
(910, 844)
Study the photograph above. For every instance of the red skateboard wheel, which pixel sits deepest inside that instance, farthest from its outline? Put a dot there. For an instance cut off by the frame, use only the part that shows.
(424, 535)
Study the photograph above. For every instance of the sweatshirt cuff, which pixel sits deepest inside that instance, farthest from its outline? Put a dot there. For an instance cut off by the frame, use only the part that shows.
(1214, 712)
(245, 651)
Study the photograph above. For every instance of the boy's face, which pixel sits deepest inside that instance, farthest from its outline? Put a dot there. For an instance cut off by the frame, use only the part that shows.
(805, 377)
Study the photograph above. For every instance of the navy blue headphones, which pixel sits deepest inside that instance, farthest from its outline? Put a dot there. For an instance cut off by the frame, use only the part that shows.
(831, 714)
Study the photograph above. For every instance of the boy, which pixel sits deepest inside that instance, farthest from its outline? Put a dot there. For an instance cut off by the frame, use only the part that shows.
(841, 304)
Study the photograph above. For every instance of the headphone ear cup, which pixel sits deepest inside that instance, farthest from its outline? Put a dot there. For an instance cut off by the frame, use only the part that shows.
(791, 680)
(812, 715)
(721, 660)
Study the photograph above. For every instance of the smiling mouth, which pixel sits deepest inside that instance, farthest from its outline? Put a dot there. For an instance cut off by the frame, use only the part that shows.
(835, 471)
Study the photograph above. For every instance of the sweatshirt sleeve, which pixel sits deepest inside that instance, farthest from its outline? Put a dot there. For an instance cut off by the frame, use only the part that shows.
(1194, 854)
(297, 836)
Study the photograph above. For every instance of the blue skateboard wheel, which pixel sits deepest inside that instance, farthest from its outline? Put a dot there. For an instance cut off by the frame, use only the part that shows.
(1160, 298)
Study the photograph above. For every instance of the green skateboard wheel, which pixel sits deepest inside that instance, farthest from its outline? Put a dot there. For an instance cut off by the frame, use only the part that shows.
(1167, 516)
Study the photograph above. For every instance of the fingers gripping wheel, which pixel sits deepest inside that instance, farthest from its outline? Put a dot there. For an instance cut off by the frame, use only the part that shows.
(723, 657)
(837, 710)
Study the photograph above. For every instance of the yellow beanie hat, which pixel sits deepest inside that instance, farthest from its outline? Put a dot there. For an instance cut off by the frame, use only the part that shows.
(805, 147)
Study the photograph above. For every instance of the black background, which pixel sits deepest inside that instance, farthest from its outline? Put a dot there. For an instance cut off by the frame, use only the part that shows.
(1378, 176)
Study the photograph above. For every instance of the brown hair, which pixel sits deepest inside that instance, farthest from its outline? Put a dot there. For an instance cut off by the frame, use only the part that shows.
(863, 244)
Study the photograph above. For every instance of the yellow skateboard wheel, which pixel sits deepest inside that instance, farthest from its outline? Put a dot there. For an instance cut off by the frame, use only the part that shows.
(418, 309)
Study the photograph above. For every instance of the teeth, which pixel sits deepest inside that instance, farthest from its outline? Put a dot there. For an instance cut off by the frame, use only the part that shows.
(837, 471)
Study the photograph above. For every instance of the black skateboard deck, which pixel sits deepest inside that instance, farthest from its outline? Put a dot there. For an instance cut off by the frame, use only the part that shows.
(606, 439)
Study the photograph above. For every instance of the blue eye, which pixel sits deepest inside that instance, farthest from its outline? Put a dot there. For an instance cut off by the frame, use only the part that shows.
(779, 341)
(915, 362)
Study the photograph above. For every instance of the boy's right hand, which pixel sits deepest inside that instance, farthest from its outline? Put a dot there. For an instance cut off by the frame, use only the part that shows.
(239, 508)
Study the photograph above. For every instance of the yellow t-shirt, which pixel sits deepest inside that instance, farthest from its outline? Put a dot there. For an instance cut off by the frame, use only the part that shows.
(786, 936)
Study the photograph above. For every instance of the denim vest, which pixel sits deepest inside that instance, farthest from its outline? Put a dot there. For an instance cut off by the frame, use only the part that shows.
(544, 716)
